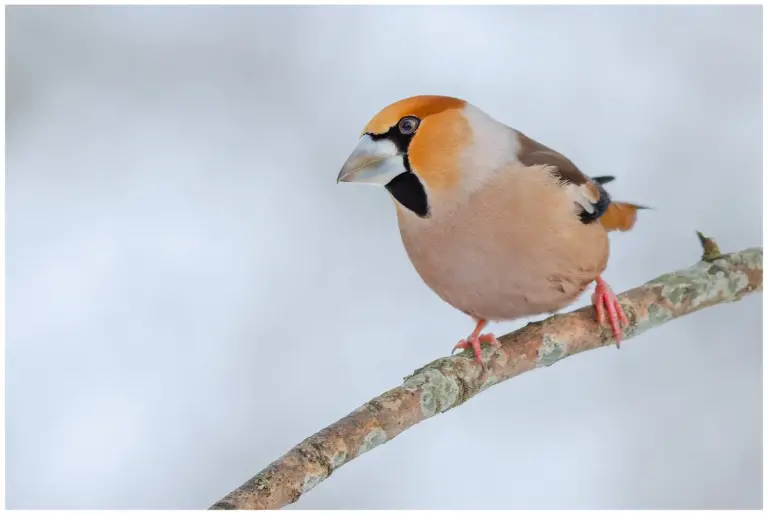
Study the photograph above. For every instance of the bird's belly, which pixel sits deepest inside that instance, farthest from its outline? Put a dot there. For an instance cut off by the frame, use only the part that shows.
(481, 288)
(503, 276)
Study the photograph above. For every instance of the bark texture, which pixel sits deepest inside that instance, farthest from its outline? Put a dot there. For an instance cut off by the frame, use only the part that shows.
(450, 381)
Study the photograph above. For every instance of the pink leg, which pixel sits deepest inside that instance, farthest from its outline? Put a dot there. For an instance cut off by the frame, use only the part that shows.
(605, 300)
(475, 339)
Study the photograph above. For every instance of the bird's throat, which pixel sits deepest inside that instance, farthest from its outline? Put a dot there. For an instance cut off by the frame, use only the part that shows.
(408, 191)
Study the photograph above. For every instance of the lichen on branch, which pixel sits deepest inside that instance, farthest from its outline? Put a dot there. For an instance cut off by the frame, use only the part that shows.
(450, 381)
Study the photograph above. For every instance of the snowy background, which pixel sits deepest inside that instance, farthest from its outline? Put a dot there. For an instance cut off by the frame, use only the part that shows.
(190, 293)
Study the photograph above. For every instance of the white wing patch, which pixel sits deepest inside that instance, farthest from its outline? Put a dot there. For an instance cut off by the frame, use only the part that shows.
(582, 195)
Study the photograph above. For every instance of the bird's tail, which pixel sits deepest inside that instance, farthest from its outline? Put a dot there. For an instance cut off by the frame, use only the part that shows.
(603, 179)
(620, 216)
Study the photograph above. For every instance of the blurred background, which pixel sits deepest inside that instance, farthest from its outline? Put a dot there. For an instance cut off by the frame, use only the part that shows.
(190, 293)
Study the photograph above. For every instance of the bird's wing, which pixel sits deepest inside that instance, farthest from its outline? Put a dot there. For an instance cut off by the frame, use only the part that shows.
(592, 200)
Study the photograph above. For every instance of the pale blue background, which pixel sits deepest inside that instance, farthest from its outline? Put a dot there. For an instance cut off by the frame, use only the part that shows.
(190, 293)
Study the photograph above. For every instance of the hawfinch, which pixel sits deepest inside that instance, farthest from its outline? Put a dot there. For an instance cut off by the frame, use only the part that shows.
(497, 224)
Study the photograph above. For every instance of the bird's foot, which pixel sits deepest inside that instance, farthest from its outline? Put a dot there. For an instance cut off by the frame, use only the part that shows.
(604, 301)
(474, 341)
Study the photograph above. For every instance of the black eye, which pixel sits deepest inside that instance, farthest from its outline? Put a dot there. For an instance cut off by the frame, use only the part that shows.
(408, 125)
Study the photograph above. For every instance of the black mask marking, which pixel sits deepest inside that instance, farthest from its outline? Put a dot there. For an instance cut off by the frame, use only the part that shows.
(408, 190)
(406, 187)
(394, 135)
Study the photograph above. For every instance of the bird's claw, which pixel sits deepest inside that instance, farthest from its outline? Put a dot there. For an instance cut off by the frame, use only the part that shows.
(474, 343)
(605, 300)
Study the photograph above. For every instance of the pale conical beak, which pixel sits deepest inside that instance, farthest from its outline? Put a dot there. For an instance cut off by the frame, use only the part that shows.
(372, 162)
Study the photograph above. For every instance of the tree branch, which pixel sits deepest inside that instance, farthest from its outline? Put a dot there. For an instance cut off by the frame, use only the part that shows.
(450, 381)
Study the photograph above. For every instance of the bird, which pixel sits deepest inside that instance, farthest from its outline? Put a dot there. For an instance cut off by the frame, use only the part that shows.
(498, 225)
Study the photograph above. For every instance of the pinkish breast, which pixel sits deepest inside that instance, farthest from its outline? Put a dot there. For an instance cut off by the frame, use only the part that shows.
(513, 250)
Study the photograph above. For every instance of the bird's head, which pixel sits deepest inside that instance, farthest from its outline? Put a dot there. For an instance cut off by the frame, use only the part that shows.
(425, 147)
